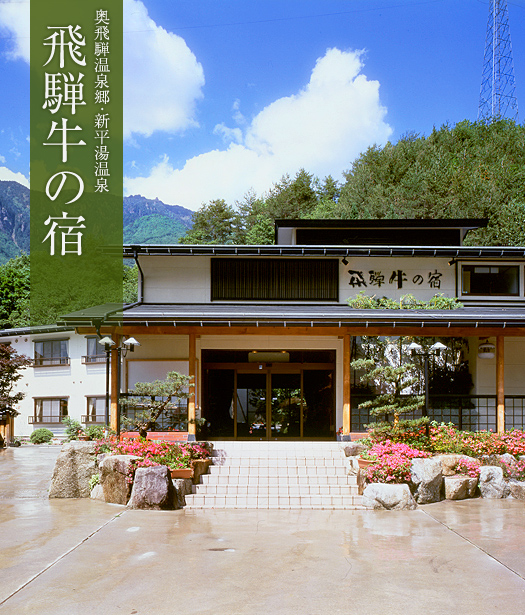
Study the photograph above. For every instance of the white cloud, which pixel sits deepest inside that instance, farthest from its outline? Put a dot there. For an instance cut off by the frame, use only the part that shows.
(14, 19)
(321, 128)
(162, 78)
(9, 176)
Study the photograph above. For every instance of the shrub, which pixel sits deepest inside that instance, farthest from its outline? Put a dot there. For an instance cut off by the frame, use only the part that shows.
(468, 467)
(514, 441)
(41, 436)
(93, 481)
(389, 469)
(95, 432)
(411, 432)
(175, 456)
(393, 462)
(73, 428)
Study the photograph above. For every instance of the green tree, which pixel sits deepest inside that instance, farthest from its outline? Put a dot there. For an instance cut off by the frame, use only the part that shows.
(468, 170)
(150, 399)
(130, 283)
(14, 292)
(214, 223)
(11, 364)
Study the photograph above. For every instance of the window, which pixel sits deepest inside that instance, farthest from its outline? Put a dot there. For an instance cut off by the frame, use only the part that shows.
(96, 410)
(487, 280)
(51, 352)
(49, 410)
(95, 353)
(266, 279)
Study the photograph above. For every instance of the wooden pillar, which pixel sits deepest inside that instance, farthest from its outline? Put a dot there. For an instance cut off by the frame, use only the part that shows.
(192, 427)
(346, 385)
(115, 389)
(500, 383)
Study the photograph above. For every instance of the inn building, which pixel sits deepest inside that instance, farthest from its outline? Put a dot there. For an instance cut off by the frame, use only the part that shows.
(268, 337)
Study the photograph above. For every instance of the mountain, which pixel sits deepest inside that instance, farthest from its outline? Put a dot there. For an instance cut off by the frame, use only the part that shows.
(152, 221)
(145, 220)
(14, 220)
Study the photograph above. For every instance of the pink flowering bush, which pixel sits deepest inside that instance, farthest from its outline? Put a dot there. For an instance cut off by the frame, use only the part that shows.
(175, 456)
(468, 467)
(389, 469)
(389, 448)
(392, 462)
(514, 441)
(446, 438)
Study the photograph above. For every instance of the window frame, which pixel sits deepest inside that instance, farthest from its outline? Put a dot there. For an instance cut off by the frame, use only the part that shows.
(52, 359)
(39, 416)
(489, 295)
(97, 357)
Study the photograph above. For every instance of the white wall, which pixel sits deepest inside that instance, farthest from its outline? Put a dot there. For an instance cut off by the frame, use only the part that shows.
(75, 381)
(186, 279)
(484, 370)
(417, 271)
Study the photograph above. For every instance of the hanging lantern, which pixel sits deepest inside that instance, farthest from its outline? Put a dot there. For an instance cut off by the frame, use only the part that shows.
(486, 350)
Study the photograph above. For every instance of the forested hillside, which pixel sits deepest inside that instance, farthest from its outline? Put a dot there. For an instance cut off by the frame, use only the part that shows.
(470, 170)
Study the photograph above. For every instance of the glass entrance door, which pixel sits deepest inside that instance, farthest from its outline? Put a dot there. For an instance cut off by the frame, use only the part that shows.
(251, 405)
(268, 405)
(268, 400)
(286, 405)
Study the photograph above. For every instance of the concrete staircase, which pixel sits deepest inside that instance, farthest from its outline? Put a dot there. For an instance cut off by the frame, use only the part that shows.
(277, 475)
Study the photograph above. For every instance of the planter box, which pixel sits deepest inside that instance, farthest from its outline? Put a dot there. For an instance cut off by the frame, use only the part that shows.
(182, 473)
(364, 463)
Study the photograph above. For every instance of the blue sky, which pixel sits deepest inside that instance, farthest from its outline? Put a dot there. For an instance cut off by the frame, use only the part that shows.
(226, 96)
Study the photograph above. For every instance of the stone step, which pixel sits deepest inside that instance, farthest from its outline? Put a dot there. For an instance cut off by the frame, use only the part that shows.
(274, 501)
(291, 490)
(228, 479)
(279, 471)
(275, 462)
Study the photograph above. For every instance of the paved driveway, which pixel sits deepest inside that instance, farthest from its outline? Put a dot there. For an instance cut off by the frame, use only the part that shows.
(84, 557)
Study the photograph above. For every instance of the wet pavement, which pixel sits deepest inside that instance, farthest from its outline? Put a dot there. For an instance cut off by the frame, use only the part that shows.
(68, 557)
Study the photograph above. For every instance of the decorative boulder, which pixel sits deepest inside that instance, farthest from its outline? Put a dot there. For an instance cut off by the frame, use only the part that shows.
(496, 460)
(449, 461)
(492, 484)
(97, 493)
(153, 489)
(75, 465)
(517, 489)
(352, 449)
(382, 496)
(427, 478)
(183, 487)
(460, 487)
(115, 471)
(200, 467)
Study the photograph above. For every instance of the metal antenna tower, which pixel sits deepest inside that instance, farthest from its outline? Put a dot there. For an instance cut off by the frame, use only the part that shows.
(497, 98)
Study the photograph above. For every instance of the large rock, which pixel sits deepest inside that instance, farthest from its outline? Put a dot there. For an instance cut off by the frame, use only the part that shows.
(517, 489)
(427, 477)
(353, 449)
(492, 484)
(499, 460)
(97, 493)
(75, 465)
(116, 478)
(460, 487)
(183, 487)
(382, 496)
(449, 461)
(200, 467)
(153, 489)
